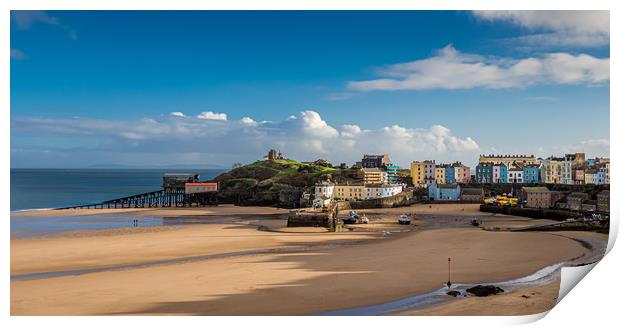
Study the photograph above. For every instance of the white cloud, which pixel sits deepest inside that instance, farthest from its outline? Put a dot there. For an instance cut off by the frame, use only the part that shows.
(248, 121)
(350, 131)
(177, 114)
(339, 96)
(307, 137)
(312, 124)
(451, 69)
(17, 54)
(556, 28)
(598, 147)
(586, 21)
(543, 98)
(211, 116)
(24, 19)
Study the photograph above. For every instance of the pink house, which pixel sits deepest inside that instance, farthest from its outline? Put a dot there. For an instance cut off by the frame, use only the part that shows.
(465, 174)
(580, 177)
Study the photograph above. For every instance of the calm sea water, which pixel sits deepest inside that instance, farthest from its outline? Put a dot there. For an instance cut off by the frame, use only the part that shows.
(51, 188)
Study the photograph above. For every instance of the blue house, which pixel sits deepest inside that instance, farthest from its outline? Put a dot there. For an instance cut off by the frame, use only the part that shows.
(531, 174)
(484, 173)
(393, 175)
(450, 177)
(444, 192)
(502, 173)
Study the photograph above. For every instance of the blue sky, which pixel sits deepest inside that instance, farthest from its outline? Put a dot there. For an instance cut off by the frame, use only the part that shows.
(98, 87)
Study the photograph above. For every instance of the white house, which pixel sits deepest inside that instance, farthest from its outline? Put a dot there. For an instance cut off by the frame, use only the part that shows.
(567, 172)
(323, 193)
(515, 175)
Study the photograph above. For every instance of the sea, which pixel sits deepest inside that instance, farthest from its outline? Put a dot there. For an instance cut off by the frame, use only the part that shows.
(40, 189)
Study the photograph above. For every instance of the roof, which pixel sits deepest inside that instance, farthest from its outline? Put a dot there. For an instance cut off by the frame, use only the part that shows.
(447, 186)
(384, 157)
(535, 189)
(201, 184)
(372, 170)
(581, 195)
(603, 193)
(515, 169)
(472, 191)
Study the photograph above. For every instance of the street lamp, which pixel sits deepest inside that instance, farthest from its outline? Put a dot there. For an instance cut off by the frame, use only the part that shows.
(449, 284)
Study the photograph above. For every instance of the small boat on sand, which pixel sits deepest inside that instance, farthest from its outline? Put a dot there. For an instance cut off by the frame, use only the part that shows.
(404, 220)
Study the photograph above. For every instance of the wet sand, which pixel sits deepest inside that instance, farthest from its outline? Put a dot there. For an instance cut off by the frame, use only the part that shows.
(215, 210)
(360, 268)
(523, 301)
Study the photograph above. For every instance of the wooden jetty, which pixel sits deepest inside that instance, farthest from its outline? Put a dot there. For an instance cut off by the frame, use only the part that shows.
(180, 190)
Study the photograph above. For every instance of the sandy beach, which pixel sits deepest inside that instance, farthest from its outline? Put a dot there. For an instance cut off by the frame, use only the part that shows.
(232, 268)
(180, 211)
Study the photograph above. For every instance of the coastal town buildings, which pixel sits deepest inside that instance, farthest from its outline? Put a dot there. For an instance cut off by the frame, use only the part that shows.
(531, 174)
(426, 173)
(450, 174)
(602, 201)
(575, 199)
(551, 171)
(508, 160)
(515, 175)
(567, 170)
(462, 173)
(600, 177)
(393, 174)
(484, 173)
(440, 174)
(375, 161)
(540, 197)
(378, 169)
(352, 192)
(326, 191)
(429, 172)
(417, 173)
(588, 205)
(472, 194)
(373, 176)
(579, 177)
(444, 192)
(589, 176)
(500, 173)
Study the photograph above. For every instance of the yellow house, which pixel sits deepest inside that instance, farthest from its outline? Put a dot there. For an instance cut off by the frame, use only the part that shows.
(417, 173)
(373, 176)
(356, 192)
(440, 174)
(552, 171)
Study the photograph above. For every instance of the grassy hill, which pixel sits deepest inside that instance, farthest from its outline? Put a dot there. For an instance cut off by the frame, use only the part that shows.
(277, 182)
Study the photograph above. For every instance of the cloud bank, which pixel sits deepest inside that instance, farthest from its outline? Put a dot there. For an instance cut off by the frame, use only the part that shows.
(304, 136)
(451, 69)
(25, 19)
(17, 54)
(569, 28)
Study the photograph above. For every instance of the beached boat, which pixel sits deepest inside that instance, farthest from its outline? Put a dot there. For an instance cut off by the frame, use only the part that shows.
(349, 220)
(404, 220)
